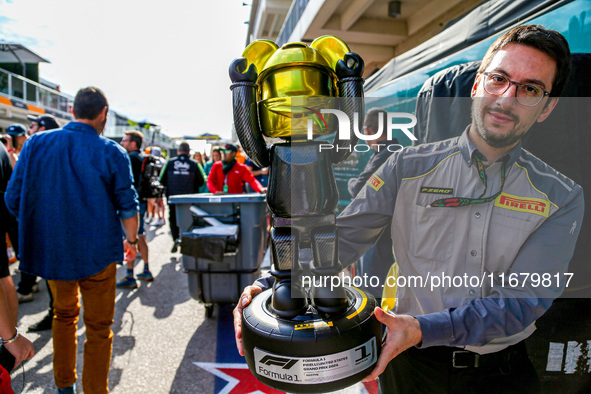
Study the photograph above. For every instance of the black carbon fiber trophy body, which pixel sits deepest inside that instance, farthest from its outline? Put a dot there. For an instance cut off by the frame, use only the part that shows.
(303, 337)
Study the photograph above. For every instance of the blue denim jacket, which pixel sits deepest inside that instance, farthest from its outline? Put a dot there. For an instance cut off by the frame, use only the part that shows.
(69, 189)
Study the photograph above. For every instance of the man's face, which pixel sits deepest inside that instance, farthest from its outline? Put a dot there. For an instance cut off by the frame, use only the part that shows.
(128, 144)
(228, 155)
(373, 144)
(501, 121)
(33, 128)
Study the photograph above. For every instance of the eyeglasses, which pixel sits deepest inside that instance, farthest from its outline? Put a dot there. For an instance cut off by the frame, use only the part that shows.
(527, 94)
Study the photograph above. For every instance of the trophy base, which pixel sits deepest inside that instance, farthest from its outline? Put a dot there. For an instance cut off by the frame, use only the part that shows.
(311, 353)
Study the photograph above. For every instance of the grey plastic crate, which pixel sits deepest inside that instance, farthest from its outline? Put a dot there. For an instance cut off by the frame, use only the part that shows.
(221, 281)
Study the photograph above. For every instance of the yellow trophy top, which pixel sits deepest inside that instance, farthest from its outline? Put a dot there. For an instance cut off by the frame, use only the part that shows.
(295, 81)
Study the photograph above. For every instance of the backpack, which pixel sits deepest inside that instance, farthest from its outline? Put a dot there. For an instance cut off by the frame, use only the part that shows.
(150, 186)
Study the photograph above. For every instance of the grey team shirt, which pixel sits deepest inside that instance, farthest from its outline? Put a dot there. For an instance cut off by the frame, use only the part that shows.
(530, 228)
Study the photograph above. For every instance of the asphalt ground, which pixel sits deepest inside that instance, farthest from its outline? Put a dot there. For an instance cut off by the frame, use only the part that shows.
(159, 331)
(163, 341)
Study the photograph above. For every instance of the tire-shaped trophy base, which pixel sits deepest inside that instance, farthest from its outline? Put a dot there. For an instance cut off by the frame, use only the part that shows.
(311, 353)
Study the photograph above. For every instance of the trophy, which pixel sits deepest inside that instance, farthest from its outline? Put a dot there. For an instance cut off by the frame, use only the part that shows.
(315, 336)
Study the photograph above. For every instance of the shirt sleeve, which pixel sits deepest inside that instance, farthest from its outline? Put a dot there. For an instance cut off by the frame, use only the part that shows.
(361, 224)
(265, 282)
(355, 184)
(509, 310)
(125, 194)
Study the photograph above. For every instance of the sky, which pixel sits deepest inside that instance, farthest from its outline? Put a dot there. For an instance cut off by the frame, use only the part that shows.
(165, 62)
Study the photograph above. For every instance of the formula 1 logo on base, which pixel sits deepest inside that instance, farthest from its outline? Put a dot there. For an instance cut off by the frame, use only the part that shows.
(315, 370)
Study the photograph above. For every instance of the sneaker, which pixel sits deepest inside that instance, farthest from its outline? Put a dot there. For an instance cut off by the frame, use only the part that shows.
(175, 247)
(148, 219)
(43, 325)
(35, 288)
(127, 283)
(157, 222)
(146, 275)
(22, 298)
(68, 390)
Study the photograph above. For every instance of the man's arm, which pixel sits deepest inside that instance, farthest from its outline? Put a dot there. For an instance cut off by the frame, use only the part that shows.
(361, 224)
(11, 153)
(252, 181)
(126, 198)
(21, 348)
(212, 180)
(259, 171)
(127, 204)
(130, 227)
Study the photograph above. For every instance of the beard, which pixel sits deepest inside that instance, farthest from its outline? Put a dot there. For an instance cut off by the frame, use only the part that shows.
(503, 140)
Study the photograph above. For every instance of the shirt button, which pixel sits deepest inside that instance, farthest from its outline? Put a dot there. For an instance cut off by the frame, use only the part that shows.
(473, 253)
(477, 214)
(472, 292)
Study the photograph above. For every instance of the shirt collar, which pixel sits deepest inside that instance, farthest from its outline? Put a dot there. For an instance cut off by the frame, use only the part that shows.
(80, 127)
(467, 149)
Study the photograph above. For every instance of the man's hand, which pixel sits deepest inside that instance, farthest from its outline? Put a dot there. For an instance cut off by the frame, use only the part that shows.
(247, 295)
(403, 332)
(219, 192)
(22, 349)
(8, 140)
(130, 251)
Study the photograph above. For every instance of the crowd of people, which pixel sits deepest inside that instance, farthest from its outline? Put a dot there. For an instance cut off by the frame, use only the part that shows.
(103, 187)
(440, 340)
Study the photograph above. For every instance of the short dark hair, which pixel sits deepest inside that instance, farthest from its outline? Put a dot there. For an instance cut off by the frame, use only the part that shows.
(551, 42)
(135, 136)
(184, 147)
(89, 102)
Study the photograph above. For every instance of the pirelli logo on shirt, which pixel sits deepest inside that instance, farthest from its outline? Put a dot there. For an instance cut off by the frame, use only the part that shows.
(436, 190)
(523, 204)
(375, 182)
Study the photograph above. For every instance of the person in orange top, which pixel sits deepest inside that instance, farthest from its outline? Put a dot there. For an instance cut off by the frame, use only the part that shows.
(240, 156)
(228, 176)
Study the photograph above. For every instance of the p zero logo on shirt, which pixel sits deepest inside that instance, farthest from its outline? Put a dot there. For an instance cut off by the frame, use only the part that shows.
(375, 182)
(523, 204)
(436, 190)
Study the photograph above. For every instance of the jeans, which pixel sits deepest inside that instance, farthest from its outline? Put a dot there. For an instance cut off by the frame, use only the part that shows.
(98, 296)
(25, 286)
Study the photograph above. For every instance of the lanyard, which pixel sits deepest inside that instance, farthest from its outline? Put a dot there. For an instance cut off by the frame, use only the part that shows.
(226, 183)
(453, 202)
